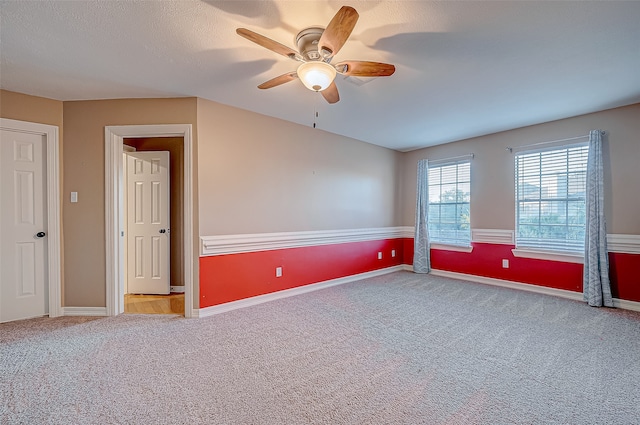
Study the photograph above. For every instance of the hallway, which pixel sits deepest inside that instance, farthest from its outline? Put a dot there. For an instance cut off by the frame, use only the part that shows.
(154, 304)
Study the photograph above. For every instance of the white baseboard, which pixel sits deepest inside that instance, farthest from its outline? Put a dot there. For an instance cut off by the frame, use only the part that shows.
(84, 311)
(177, 289)
(571, 295)
(626, 305)
(247, 302)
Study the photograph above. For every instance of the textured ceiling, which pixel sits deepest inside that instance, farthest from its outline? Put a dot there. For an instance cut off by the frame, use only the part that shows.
(463, 69)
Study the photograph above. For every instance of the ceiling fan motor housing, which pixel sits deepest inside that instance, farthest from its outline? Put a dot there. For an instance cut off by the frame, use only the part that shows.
(307, 42)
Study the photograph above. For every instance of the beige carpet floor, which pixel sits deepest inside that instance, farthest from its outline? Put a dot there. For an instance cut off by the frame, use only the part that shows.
(395, 349)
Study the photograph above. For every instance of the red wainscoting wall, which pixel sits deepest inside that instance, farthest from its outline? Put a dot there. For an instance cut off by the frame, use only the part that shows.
(231, 277)
(486, 260)
(407, 251)
(624, 272)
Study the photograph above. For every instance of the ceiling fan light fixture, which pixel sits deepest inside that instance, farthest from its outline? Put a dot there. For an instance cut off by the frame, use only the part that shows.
(316, 76)
(317, 46)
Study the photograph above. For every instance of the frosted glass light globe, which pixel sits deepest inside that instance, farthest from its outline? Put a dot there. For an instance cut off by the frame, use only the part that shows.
(316, 76)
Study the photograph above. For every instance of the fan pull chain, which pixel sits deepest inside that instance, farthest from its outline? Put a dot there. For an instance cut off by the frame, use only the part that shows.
(315, 111)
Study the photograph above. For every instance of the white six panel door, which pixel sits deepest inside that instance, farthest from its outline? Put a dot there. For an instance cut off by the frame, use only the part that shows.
(148, 222)
(23, 283)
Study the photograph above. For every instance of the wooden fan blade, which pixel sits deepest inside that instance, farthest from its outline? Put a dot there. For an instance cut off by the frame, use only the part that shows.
(337, 32)
(284, 78)
(268, 43)
(365, 69)
(331, 94)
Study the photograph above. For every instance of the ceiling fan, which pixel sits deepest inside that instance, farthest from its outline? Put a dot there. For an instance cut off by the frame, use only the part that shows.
(316, 49)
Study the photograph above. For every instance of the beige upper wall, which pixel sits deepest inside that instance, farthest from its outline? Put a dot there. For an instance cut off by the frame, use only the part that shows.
(84, 222)
(259, 174)
(23, 107)
(492, 169)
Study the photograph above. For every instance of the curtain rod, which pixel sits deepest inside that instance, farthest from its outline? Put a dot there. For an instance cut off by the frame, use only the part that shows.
(551, 141)
(469, 155)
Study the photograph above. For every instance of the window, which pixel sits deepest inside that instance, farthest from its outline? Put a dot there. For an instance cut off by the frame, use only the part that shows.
(449, 197)
(550, 198)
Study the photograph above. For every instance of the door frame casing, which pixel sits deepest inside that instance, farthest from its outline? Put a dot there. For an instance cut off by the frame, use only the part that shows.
(114, 215)
(52, 145)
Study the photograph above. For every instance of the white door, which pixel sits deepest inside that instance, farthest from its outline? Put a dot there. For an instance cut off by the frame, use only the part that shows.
(147, 232)
(23, 253)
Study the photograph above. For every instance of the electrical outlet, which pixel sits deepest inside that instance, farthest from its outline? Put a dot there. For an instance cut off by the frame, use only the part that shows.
(278, 271)
(380, 256)
(393, 252)
(505, 263)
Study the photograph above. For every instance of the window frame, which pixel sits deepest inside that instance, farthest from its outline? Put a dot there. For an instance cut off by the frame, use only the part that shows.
(456, 244)
(542, 250)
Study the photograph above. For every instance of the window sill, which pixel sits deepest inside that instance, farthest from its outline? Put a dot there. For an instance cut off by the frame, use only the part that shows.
(566, 257)
(448, 247)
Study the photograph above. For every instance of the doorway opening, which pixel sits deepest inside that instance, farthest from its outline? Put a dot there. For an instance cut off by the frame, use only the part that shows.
(114, 200)
(165, 293)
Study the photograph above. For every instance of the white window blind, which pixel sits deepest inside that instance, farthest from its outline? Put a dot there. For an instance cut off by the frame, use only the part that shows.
(550, 198)
(449, 198)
